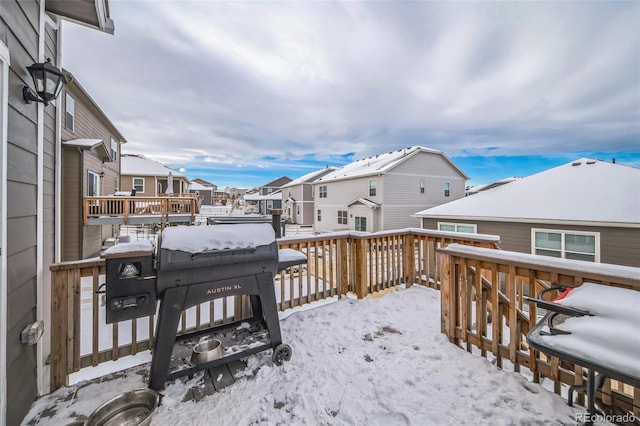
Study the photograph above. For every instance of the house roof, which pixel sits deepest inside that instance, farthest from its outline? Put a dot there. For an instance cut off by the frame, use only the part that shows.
(275, 195)
(363, 201)
(195, 186)
(584, 191)
(90, 13)
(95, 145)
(204, 183)
(381, 163)
(310, 177)
(277, 183)
(138, 165)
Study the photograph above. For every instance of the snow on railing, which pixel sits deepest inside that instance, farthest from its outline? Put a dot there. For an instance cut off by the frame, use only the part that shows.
(484, 310)
(337, 263)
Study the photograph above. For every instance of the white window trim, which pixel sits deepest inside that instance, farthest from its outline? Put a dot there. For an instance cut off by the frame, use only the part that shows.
(343, 220)
(563, 232)
(321, 193)
(133, 183)
(358, 220)
(373, 187)
(66, 111)
(446, 187)
(455, 225)
(98, 183)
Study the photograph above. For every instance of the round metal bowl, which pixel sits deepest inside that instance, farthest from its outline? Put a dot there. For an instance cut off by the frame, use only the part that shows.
(206, 350)
(127, 409)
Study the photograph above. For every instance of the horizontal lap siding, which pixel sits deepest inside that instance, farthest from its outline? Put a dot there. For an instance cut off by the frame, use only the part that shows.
(402, 197)
(19, 23)
(618, 246)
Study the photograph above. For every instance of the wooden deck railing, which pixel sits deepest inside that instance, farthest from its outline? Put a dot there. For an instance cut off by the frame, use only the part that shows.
(484, 311)
(127, 207)
(337, 263)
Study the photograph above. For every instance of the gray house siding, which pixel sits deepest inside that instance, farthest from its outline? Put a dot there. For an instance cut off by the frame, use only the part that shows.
(620, 246)
(19, 26)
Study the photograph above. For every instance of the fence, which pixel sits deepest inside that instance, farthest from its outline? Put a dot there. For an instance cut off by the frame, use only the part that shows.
(484, 311)
(337, 263)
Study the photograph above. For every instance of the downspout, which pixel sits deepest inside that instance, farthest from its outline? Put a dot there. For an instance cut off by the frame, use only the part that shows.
(4, 103)
(40, 209)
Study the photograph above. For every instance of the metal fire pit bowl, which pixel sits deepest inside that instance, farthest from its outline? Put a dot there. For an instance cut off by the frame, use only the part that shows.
(206, 350)
(127, 409)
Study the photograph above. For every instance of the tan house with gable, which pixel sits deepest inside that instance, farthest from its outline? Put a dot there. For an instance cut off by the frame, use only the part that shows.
(91, 146)
(149, 178)
(584, 210)
(382, 192)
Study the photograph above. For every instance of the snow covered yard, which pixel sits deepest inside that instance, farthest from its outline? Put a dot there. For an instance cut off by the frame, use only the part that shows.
(376, 361)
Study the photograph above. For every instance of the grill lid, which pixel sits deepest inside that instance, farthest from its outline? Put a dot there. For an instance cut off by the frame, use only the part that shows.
(200, 239)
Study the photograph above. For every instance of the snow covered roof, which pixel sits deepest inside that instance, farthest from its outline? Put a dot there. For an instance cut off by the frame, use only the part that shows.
(381, 163)
(96, 145)
(276, 195)
(585, 191)
(365, 202)
(139, 165)
(195, 186)
(310, 177)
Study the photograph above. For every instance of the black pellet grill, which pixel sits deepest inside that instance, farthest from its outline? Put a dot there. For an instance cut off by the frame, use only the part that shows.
(193, 265)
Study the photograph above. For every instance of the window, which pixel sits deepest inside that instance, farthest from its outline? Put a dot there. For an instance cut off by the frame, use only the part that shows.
(319, 215)
(469, 228)
(70, 113)
(447, 189)
(422, 187)
(361, 223)
(372, 187)
(298, 209)
(322, 191)
(269, 205)
(566, 244)
(138, 184)
(342, 217)
(93, 181)
(114, 150)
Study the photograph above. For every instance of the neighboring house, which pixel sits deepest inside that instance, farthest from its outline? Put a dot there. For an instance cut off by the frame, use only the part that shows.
(90, 167)
(585, 210)
(273, 185)
(298, 197)
(474, 189)
(234, 193)
(384, 191)
(30, 191)
(149, 178)
(206, 184)
(205, 193)
(263, 204)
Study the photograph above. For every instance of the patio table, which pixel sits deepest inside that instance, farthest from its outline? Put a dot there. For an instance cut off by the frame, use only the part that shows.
(596, 327)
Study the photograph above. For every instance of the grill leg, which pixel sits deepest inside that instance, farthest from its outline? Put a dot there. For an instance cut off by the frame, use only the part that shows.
(171, 306)
(268, 304)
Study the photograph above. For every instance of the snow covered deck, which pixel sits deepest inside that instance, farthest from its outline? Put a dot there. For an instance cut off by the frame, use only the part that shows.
(354, 362)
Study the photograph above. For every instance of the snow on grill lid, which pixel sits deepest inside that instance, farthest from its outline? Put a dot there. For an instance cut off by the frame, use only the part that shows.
(198, 239)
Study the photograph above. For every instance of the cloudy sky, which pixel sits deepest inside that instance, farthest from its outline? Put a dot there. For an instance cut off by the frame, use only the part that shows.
(241, 92)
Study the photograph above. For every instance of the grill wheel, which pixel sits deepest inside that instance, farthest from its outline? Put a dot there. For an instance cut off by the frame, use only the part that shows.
(281, 354)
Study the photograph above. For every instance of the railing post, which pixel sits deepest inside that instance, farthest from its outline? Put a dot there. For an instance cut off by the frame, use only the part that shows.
(409, 259)
(59, 329)
(343, 267)
(360, 267)
(448, 297)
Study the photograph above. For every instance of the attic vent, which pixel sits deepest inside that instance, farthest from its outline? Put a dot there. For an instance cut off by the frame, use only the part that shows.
(591, 162)
(577, 163)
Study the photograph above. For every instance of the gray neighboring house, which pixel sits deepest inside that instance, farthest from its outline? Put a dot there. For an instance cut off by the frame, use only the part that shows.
(298, 197)
(586, 210)
(205, 193)
(383, 192)
(30, 190)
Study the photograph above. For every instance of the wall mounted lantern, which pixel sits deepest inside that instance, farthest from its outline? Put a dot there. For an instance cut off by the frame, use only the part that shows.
(48, 81)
